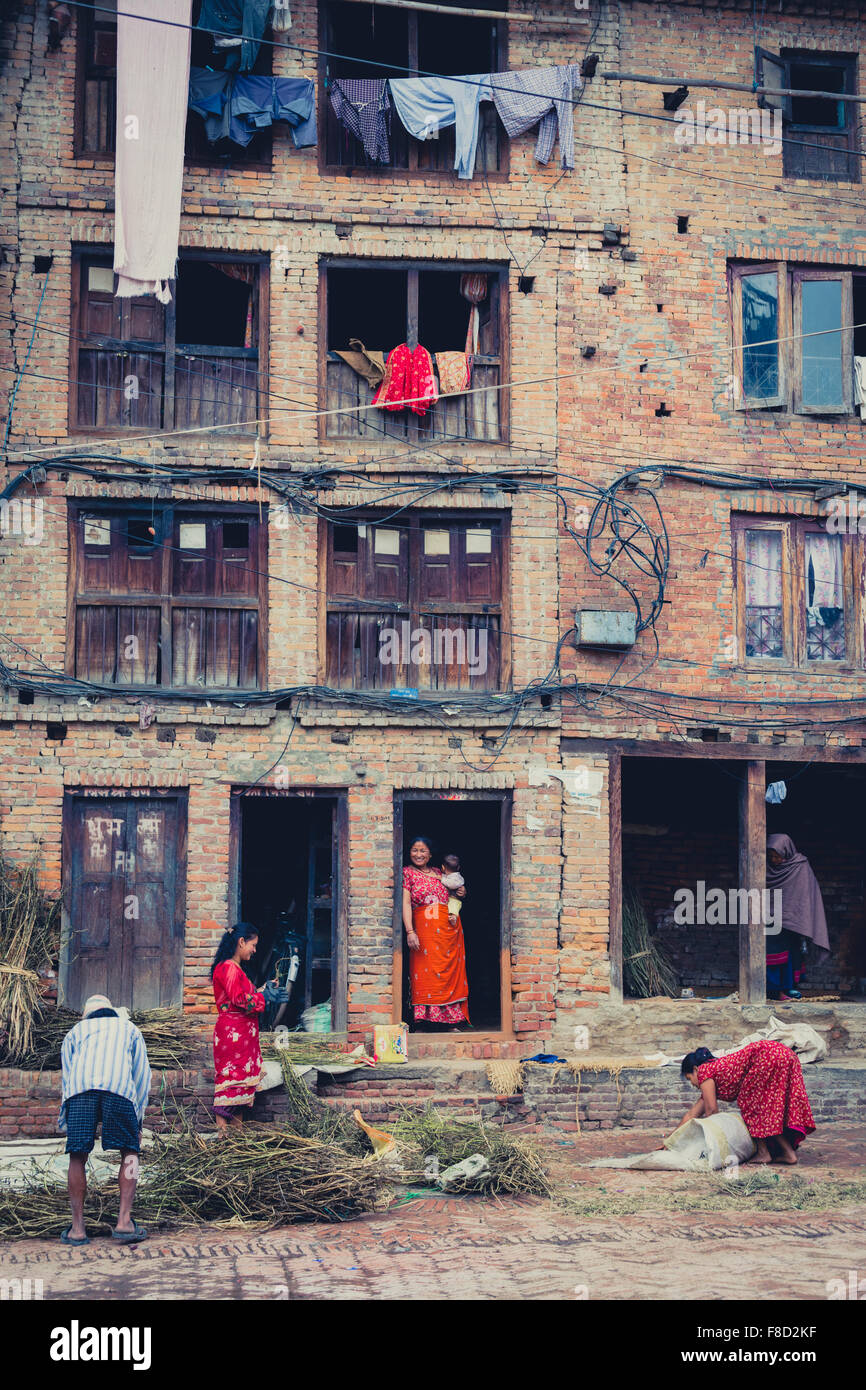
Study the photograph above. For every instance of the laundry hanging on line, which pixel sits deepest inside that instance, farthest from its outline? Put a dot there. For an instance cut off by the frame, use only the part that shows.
(238, 27)
(369, 364)
(235, 107)
(427, 105)
(152, 78)
(542, 97)
(363, 106)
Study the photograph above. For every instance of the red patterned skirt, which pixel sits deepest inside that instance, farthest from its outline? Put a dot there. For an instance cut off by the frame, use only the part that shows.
(237, 1059)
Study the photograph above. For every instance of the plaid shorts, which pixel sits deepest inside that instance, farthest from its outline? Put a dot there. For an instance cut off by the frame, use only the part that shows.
(119, 1122)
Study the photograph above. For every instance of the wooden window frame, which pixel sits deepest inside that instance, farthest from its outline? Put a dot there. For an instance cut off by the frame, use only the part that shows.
(780, 76)
(798, 278)
(793, 531)
(85, 255)
(165, 599)
(412, 269)
(390, 171)
(790, 280)
(411, 610)
(201, 157)
(739, 273)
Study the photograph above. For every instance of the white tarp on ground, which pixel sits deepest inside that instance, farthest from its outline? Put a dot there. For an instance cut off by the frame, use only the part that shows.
(698, 1146)
(34, 1162)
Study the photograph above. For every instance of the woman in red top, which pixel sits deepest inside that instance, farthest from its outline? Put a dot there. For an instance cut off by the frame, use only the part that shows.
(237, 1056)
(766, 1080)
(437, 964)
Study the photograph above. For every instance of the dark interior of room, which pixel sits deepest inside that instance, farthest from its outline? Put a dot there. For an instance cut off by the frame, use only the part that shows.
(287, 889)
(471, 830)
(680, 825)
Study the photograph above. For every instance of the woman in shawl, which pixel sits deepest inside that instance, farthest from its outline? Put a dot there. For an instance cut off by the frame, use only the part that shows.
(437, 964)
(802, 913)
(766, 1080)
(238, 1066)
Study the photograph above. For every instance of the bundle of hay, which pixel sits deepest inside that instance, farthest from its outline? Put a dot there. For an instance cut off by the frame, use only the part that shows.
(646, 969)
(29, 942)
(313, 1118)
(513, 1165)
(255, 1176)
(172, 1039)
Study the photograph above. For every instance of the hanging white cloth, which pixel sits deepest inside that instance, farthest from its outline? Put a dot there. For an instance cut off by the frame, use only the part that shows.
(763, 576)
(860, 385)
(152, 95)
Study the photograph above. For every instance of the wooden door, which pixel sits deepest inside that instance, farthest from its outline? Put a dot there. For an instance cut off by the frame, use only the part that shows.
(125, 874)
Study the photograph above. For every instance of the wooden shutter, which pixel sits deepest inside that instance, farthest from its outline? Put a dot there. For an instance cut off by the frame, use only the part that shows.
(125, 875)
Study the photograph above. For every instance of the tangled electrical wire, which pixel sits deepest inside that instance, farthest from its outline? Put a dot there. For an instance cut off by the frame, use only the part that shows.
(625, 539)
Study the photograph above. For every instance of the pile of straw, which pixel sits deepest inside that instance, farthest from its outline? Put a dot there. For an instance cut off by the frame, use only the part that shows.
(646, 969)
(312, 1118)
(172, 1039)
(515, 1166)
(29, 942)
(256, 1176)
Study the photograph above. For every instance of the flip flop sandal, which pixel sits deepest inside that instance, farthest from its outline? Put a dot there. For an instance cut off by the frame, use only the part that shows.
(130, 1237)
(73, 1240)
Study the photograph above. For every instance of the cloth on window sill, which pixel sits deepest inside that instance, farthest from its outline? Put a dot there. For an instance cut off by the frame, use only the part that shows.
(238, 24)
(860, 385)
(454, 369)
(370, 365)
(362, 105)
(152, 78)
(408, 383)
(235, 107)
(427, 104)
(523, 99)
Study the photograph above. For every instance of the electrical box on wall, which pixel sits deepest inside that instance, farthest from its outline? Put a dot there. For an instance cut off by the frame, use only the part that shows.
(605, 628)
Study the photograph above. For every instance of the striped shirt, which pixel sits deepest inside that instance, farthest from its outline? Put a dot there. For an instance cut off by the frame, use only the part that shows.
(105, 1054)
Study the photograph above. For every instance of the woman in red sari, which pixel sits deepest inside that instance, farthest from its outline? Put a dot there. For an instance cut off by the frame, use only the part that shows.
(766, 1080)
(437, 964)
(236, 1053)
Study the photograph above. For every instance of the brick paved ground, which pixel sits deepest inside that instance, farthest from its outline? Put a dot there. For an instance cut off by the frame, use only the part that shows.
(446, 1248)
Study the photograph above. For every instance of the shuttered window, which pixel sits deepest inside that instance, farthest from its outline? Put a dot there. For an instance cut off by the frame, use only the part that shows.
(370, 41)
(417, 603)
(194, 363)
(170, 597)
(96, 93)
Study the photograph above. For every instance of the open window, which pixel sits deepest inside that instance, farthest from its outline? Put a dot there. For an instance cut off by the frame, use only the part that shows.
(416, 602)
(96, 91)
(820, 132)
(190, 364)
(796, 340)
(798, 585)
(386, 303)
(370, 41)
(167, 595)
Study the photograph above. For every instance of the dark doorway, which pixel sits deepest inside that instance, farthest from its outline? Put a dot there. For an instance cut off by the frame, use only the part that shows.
(124, 869)
(476, 831)
(290, 889)
(823, 814)
(680, 829)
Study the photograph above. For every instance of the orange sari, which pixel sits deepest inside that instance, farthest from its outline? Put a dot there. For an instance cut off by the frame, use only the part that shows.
(438, 969)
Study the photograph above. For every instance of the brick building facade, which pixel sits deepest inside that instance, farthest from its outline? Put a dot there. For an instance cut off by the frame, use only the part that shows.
(613, 292)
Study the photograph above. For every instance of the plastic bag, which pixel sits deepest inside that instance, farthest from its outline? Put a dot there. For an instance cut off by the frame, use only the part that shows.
(317, 1019)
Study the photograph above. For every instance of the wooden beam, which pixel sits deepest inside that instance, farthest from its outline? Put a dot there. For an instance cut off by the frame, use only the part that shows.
(753, 872)
(484, 14)
(614, 801)
(723, 86)
(734, 752)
